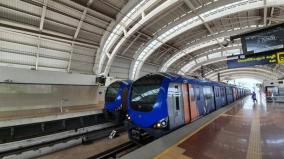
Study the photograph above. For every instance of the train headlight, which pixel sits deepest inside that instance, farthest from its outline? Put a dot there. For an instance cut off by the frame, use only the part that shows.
(162, 123)
(128, 117)
(158, 125)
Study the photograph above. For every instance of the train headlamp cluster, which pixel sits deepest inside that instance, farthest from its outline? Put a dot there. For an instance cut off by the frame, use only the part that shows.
(128, 117)
(162, 123)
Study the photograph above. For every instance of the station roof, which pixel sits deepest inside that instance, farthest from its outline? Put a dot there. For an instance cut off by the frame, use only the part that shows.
(87, 36)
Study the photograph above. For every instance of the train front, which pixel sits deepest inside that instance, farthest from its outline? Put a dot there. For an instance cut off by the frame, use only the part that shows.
(116, 101)
(147, 107)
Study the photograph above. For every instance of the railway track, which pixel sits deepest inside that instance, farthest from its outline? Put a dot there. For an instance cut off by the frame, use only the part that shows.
(117, 151)
(121, 150)
(41, 149)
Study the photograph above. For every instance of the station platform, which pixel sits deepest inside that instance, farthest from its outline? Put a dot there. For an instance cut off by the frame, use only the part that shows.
(241, 130)
(21, 117)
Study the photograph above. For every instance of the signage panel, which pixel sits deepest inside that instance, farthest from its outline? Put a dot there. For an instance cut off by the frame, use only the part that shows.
(246, 61)
(280, 57)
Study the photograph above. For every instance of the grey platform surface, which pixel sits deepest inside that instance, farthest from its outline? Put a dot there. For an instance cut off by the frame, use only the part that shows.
(156, 147)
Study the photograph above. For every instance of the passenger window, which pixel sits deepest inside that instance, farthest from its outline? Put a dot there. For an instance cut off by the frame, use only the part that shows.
(177, 103)
(217, 91)
(191, 93)
(197, 93)
(208, 93)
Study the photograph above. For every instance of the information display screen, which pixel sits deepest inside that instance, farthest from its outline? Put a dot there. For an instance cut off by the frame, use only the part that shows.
(265, 40)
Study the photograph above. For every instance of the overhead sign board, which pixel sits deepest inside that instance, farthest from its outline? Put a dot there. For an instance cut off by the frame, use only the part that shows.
(280, 57)
(258, 59)
(264, 40)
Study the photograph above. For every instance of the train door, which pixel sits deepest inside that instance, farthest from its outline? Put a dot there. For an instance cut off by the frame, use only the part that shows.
(186, 103)
(175, 105)
(225, 102)
(228, 95)
(217, 97)
(194, 100)
(234, 94)
(209, 99)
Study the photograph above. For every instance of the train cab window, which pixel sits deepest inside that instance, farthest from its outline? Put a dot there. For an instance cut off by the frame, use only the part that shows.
(112, 91)
(191, 94)
(144, 92)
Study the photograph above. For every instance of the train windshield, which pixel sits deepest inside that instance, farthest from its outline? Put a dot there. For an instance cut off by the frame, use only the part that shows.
(144, 92)
(112, 91)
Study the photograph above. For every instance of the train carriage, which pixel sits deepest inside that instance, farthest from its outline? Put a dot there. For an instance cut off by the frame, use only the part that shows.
(159, 103)
(116, 100)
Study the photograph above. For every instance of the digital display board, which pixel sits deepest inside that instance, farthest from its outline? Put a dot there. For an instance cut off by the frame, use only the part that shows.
(264, 40)
(257, 59)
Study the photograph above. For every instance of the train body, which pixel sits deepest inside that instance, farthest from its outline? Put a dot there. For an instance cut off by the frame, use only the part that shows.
(160, 103)
(116, 100)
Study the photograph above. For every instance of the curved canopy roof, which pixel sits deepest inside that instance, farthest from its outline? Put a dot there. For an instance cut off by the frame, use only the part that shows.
(92, 36)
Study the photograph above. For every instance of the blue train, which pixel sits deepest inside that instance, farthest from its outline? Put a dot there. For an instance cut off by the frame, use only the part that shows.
(116, 100)
(159, 103)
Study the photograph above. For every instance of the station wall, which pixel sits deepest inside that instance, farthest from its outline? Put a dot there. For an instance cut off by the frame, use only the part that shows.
(120, 68)
(146, 69)
(37, 96)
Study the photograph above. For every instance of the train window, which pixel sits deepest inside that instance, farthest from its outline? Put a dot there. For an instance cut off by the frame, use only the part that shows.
(208, 92)
(217, 91)
(177, 102)
(229, 91)
(112, 91)
(223, 91)
(144, 92)
(197, 93)
(191, 94)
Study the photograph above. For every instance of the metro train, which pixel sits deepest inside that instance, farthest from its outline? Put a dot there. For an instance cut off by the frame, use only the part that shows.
(162, 102)
(116, 100)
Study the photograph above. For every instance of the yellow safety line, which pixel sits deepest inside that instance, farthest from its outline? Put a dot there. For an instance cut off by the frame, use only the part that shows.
(254, 149)
(197, 130)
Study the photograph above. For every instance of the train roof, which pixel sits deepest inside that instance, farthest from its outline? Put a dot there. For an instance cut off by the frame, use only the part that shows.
(181, 78)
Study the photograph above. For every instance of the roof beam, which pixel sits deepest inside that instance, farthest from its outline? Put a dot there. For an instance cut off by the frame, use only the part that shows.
(264, 13)
(106, 17)
(43, 15)
(77, 32)
(190, 5)
(271, 14)
(82, 18)
(131, 43)
(40, 29)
